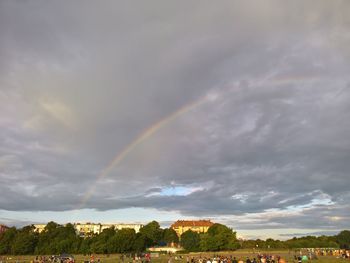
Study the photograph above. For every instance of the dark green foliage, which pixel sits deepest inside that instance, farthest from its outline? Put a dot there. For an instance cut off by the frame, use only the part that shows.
(101, 244)
(261, 244)
(124, 240)
(6, 240)
(25, 241)
(190, 241)
(85, 246)
(311, 242)
(111, 241)
(153, 232)
(140, 242)
(170, 236)
(294, 243)
(343, 239)
(56, 239)
(219, 237)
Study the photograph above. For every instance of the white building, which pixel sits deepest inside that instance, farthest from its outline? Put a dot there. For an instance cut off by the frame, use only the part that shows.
(89, 229)
(39, 228)
(136, 227)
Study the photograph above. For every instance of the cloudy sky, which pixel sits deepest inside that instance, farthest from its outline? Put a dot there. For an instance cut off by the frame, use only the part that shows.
(123, 111)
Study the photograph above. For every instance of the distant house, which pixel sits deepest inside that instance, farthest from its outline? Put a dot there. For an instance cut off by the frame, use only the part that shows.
(89, 229)
(199, 226)
(39, 228)
(3, 228)
(136, 227)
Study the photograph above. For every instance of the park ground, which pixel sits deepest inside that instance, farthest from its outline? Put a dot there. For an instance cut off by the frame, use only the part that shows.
(239, 254)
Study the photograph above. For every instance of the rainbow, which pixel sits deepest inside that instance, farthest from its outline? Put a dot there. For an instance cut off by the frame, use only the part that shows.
(137, 141)
(160, 124)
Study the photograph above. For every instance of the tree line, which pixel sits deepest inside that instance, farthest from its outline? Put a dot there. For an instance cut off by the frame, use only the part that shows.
(342, 240)
(56, 239)
(220, 238)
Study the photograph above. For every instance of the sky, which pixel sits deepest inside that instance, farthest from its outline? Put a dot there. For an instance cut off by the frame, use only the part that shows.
(132, 111)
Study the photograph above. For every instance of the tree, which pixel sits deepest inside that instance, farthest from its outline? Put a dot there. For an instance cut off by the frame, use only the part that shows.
(67, 240)
(343, 239)
(140, 242)
(46, 239)
(6, 240)
(170, 236)
(248, 244)
(56, 239)
(25, 241)
(153, 232)
(219, 237)
(101, 244)
(85, 246)
(190, 241)
(124, 240)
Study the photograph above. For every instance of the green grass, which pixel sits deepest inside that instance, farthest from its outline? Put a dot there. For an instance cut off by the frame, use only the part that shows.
(115, 258)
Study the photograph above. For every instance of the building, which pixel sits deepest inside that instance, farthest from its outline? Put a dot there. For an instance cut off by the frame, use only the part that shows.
(39, 228)
(199, 226)
(165, 249)
(136, 227)
(87, 229)
(3, 228)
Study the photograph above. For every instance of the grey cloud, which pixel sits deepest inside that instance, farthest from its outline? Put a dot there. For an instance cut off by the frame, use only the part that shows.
(80, 83)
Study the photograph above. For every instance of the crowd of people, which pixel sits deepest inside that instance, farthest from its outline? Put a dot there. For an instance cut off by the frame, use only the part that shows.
(300, 256)
(343, 253)
(259, 258)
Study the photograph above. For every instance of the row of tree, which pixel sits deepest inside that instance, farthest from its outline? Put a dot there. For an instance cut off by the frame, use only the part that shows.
(56, 239)
(218, 238)
(342, 240)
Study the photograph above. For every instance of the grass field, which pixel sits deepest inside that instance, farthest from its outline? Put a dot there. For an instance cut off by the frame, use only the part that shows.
(115, 258)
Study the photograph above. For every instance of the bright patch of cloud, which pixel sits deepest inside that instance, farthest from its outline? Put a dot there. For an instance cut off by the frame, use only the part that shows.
(176, 191)
(59, 111)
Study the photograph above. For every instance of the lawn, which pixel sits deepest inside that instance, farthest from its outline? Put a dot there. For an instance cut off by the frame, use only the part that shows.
(115, 258)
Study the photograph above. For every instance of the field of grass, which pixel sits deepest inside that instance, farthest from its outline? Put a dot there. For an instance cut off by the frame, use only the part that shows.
(240, 254)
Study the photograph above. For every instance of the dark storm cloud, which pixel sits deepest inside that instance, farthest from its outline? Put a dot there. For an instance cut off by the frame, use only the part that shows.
(269, 146)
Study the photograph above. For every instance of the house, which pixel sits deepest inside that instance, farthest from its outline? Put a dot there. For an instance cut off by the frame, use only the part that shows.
(199, 226)
(3, 228)
(136, 227)
(39, 227)
(87, 229)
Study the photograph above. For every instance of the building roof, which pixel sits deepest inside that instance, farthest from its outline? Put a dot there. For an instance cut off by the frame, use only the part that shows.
(3, 228)
(190, 223)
